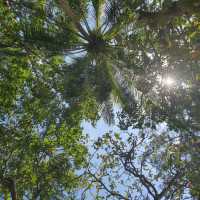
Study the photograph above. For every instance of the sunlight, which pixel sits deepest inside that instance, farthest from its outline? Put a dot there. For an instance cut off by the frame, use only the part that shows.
(168, 81)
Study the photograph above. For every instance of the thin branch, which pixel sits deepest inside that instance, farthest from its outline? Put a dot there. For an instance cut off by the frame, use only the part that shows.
(111, 192)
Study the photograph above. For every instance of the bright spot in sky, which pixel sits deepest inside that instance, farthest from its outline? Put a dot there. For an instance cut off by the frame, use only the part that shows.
(168, 81)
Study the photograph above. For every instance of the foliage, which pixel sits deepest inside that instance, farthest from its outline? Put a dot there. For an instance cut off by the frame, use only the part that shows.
(63, 61)
(42, 145)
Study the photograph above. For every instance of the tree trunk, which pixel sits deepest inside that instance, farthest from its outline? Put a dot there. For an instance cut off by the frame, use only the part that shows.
(13, 190)
(10, 185)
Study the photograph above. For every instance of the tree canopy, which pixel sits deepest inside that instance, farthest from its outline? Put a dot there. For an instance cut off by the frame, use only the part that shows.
(66, 61)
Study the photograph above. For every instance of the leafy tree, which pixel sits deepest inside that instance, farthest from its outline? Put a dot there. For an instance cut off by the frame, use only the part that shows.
(164, 49)
(41, 149)
(143, 164)
(42, 145)
(63, 61)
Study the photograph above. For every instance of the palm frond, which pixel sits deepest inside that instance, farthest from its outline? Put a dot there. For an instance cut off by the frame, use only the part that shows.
(116, 87)
(107, 112)
(77, 76)
(61, 40)
(70, 12)
(112, 11)
(98, 6)
(116, 18)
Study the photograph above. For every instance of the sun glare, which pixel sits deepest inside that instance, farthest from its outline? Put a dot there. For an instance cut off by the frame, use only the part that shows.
(168, 81)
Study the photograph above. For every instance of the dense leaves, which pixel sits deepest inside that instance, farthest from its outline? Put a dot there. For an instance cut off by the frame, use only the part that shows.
(62, 62)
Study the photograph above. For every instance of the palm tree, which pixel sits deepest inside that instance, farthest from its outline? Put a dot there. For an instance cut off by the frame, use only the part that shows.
(97, 26)
(92, 35)
(87, 33)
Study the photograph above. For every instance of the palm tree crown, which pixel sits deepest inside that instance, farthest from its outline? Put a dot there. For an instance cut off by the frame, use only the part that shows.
(96, 24)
